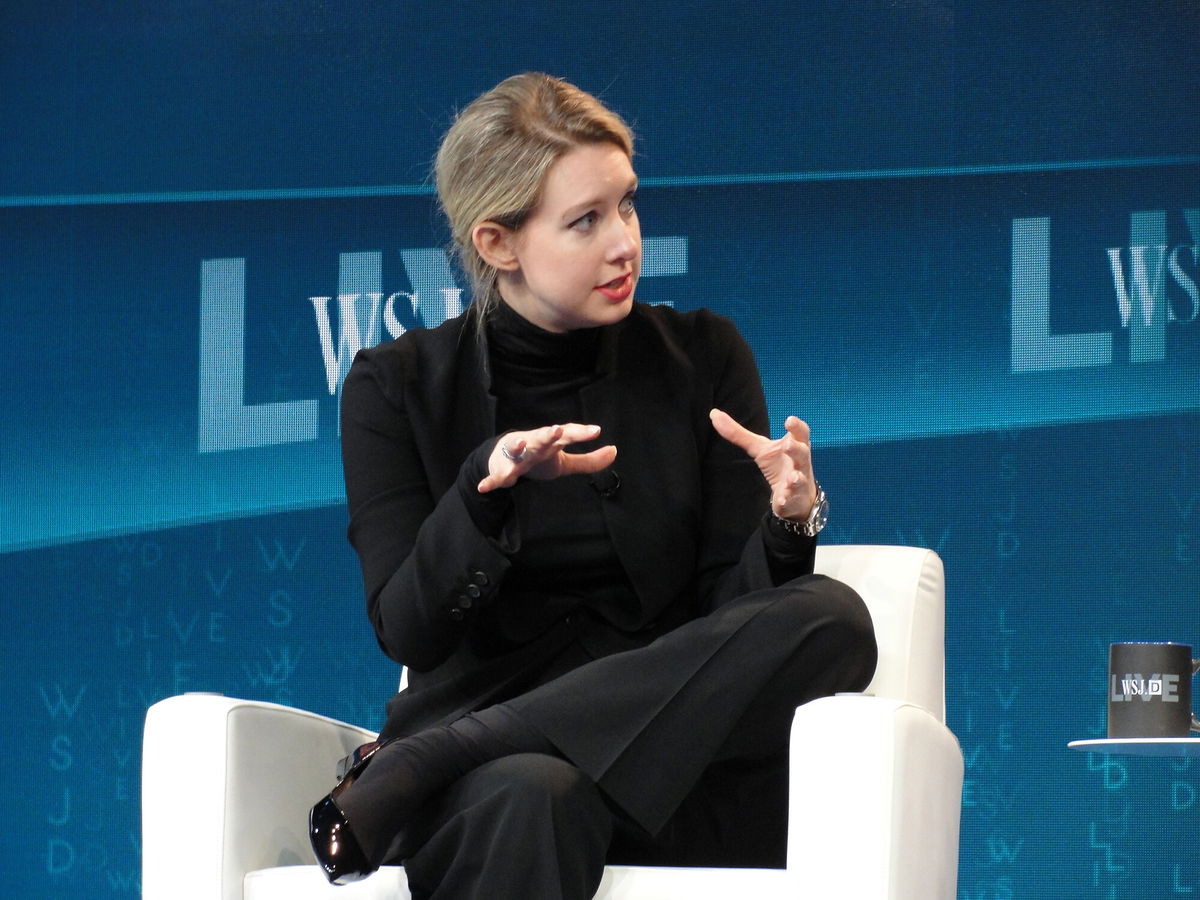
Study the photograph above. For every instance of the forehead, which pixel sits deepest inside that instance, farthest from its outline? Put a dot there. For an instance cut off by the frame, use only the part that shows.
(588, 172)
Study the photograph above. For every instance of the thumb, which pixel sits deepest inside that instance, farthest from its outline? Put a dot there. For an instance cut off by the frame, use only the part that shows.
(588, 463)
(729, 429)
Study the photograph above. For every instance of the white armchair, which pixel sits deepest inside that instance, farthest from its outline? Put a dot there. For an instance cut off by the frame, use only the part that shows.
(875, 795)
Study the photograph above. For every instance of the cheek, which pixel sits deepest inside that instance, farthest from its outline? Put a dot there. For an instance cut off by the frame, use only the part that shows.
(572, 265)
(558, 273)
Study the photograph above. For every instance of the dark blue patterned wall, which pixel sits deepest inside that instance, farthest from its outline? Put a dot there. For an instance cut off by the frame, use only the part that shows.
(961, 237)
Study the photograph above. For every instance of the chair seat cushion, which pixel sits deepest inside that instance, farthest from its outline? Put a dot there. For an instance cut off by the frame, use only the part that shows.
(309, 883)
(619, 883)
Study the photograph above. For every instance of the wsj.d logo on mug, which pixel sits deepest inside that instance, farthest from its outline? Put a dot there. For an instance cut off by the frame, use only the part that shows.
(1150, 690)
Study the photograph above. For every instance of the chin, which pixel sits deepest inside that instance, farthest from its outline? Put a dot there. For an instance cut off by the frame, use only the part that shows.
(618, 311)
(595, 316)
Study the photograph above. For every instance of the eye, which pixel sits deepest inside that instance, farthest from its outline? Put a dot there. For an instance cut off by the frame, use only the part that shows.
(628, 203)
(585, 222)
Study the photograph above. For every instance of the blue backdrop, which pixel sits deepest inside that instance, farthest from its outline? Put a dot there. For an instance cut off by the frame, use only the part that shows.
(962, 238)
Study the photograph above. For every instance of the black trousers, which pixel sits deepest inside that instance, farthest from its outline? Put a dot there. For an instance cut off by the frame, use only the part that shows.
(671, 754)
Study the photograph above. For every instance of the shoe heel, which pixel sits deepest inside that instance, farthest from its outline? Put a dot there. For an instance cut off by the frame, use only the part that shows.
(337, 850)
(335, 846)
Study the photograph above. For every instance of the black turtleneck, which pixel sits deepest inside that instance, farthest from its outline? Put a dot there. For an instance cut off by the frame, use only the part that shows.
(537, 374)
(562, 556)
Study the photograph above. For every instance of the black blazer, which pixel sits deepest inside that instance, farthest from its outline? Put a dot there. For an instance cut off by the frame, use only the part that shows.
(687, 522)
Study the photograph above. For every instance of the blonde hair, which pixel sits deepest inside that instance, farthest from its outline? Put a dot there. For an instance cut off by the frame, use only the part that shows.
(493, 161)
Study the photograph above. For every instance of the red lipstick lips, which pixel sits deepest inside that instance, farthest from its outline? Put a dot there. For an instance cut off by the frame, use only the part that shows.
(618, 288)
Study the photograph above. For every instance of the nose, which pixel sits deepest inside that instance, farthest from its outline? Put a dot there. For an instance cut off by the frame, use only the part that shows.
(626, 242)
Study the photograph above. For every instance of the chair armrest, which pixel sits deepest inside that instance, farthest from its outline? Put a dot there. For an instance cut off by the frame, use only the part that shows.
(905, 590)
(226, 789)
(875, 800)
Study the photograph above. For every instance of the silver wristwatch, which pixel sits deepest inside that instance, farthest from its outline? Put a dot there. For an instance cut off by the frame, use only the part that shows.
(816, 520)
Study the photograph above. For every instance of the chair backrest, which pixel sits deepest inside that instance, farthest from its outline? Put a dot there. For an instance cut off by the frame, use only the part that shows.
(904, 588)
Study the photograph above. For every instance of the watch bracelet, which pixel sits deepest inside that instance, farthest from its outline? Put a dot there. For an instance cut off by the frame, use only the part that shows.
(808, 528)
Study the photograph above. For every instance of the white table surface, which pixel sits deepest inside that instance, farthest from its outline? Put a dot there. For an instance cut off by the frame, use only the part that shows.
(1181, 746)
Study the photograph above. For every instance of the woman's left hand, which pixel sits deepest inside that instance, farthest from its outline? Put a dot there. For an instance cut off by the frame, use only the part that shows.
(786, 463)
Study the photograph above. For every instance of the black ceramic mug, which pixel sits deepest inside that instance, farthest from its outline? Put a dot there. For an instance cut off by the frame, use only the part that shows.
(1150, 690)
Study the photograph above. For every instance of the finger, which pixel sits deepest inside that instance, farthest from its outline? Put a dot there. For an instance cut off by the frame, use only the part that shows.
(512, 453)
(545, 437)
(573, 433)
(503, 472)
(798, 452)
(590, 462)
(729, 429)
(799, 442)
(798, 429)
(537, 446)
(493, 482)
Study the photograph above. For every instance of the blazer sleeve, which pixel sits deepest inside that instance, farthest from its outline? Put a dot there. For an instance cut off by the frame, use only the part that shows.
(735, 497)
(426, 561)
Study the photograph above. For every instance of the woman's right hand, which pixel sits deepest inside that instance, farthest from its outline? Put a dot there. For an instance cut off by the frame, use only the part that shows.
(541, 454)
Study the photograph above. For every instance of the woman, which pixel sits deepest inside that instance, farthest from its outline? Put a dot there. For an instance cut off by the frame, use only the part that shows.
(576, 535)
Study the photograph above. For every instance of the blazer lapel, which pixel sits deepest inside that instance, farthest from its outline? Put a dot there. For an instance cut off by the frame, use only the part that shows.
(642, 403)
(454, 412)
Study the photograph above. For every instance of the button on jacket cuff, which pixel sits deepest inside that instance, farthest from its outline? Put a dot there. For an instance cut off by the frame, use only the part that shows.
(475, 589)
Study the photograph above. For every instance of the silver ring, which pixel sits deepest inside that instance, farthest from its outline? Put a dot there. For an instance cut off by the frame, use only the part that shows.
(510, 456)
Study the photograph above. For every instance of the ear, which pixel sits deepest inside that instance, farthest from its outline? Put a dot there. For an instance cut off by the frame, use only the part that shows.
(495, 245)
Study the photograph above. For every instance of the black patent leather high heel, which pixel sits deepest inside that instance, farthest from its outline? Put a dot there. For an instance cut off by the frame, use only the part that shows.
(337, 850)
